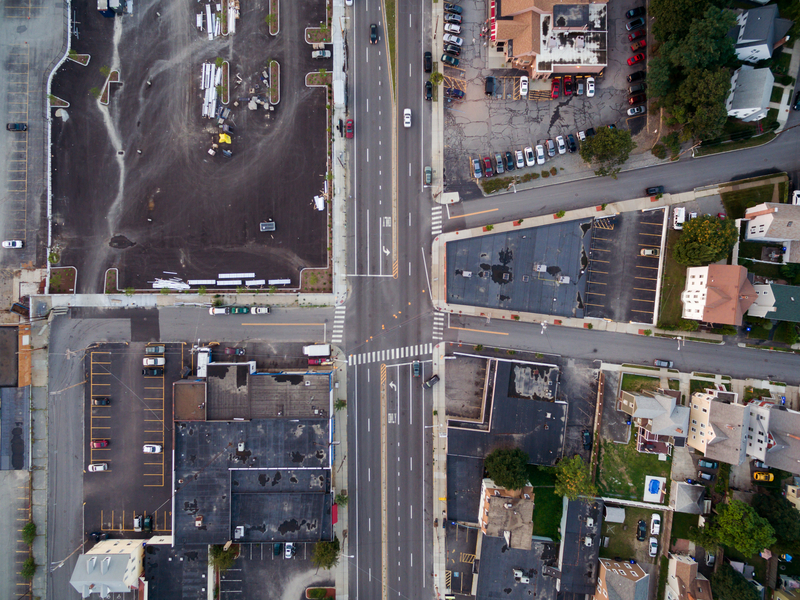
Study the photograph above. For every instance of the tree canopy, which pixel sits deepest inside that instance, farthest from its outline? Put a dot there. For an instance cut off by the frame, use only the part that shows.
(507, 467)
(731, 585)
(673, 18)
(704, 240)
(325, 555)
(738, 525)
(608, 149)
(781, 514)
(573, 478)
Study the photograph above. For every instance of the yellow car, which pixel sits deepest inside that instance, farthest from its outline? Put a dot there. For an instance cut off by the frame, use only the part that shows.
(759, 476)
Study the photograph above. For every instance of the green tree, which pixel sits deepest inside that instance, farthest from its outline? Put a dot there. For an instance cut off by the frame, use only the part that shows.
(659, 76)
(608, 148)
(704, 240)
(731, 585)
(703, 536)
(507, 467)
(707, 44)
(781, 514)
(222, 559)
(342, 499)
(29, 533)
(573, 478)
(28, 569)
(738, 525)
(325, 555)
(673, 18)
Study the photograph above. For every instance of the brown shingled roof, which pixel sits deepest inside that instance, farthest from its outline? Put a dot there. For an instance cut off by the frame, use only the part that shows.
(729, 294)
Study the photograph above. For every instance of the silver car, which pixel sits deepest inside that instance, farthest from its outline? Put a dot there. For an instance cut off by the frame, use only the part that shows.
(520, 158)
(477, 172)
(539, 154)
(499, 160)
(452, 39)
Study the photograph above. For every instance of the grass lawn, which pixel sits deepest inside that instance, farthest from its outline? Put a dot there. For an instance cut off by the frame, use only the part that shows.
(758, 333)
(771, 271)
(675, 384)
(623, 469)
(738, 201)
(681, 522)
(638, 383)
(547, 506)
(730, 146)
(750, 393)
(785, 333)
(776, 95)
(696, 385)
(622, 536)
(672, 284)
(663, 572)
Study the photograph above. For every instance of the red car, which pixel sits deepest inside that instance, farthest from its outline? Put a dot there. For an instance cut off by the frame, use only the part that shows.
(487, 166)
(638, 45)
(637, 99)
(348, 128)
(554, 88)
(314, 362)
(99, 443)
(636, 58)
(568, 85)
(635, 35)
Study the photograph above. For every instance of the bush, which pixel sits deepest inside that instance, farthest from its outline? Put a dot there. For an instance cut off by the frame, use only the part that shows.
(342, 499)
(688, 325)
(340, 404)
(29, 533)
(553, 171)
(28, 569)
(672, 142)
(317, 593)
(659, 151)
(560, 214)
(545, 174)
(222, 559)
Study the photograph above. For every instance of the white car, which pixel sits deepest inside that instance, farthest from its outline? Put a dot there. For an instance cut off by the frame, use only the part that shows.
(539, 154)
(582, 136)
(590, 87)
(13, 244)
(453, 39)
(529, 160)
(452, 28)
(259, 310)
(137, 523)
(156, 361)
(288, 550)
(523, 86)
(652, 549)
(152, 448)
(520, 158)
(407, 117)
(655, 524)
(637, 110)
(98, 467)
(562, 147)
(321, 54)
(348, 2)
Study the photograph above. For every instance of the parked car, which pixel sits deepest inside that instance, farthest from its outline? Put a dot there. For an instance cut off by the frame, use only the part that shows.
(637, 99)
(655, 524)
(153, 371)
(562, 147)
(101, 401)
(488, 86)
(635, 12)
(428, 90)
(710, 559)
(349, 131)
(665, 364)
(529, 159)
(98, 536)
(137, 523)
(219, 310)
(635, 24)
(432, 381)
(235, 351)
(498, 161)
(571, 145)
(636, 58)
(636, 88)
(638, 45)
(373, 33)
(100, 443)
(509, 161)
(568, 85)
(406, 117)
(649, 252)
(315, 362)
(521, 157)
(16, 127)
(453, 8)
(760, 465)
(554, 88)
(579, 87)
(417, 368)
(654, 191)
(453, 93)
(154, 361)
(707, 464)
(586, 435)
(582, 136)
(764, 477)
(637, 110)
(240, 310)
(452, 28)
(637, 76)
(93, 468)
(487, 166)
(155, 349)
(477, 172)
(147, 524)
(796, 103)
(641, 530)
(652, 548)
(539, 154)
(452, 49)
(13, 244)
(288, 550)
(523, 86)
(260, 310)
(451, 18)
(705, 476)
(152, 448)
(590, 87)
(320, 54)
(427, 60)
(635, 35)
(449, 60)
(453, 39)
(551, 148)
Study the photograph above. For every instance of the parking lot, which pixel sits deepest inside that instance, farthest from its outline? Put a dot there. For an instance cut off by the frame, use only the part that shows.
(134, 184)
(138, 412)
(622, 283)
(480, 126)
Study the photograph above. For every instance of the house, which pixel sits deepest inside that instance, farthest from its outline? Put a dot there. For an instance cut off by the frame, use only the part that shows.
(689, 498)
(717, 426)
(507, 514)
(110, 566)
(621, 580)
(660, 421)
(581, 523)
(791, 491)
(776, 302)
(718, 294)
(776, 223)
(788, 588)
(759, 31)
(772, 435)
(750, 93)
(544, 37)
(684, 582)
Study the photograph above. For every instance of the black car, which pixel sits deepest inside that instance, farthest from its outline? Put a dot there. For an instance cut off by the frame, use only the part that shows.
(98, 536)
(637, 76)
(587, 439)
(452, 50)
(148, 523)
(635, 24)
(373, 34)
(796, 104)
(590, 132)
(451, 18)
(428, 90)
(571, 145)
(153, 371)
(16, 127)
(641, 530)
(453, 93)
(101, 401)
(428, 62)
(432, 381)
(654, 191)
(635, 12)
(452, 8)
(510, 162)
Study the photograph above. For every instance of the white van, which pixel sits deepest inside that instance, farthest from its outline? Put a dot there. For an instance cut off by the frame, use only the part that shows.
(216, 310)
(678, 217)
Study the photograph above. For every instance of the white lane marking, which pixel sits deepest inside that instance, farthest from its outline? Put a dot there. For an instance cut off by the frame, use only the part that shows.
(369, 474)
(369, 425)
(409, 169)
(410, 463)
(367, 154)
(367, 53)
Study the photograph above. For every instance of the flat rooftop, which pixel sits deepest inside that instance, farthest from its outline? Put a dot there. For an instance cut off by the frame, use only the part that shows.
(276, 486)
(537, 269)
(575, 36)
(580, 521)
(498, 562)
(175, 572)
(189, 400)
(464, 476)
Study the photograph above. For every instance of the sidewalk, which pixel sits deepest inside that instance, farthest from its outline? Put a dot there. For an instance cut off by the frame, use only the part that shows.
(340, 158)
(339, 474)
(439, 467)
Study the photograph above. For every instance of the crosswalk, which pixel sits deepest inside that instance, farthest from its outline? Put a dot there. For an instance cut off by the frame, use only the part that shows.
(436, 220)
(366, 358)
(438, 325)
(338, 325)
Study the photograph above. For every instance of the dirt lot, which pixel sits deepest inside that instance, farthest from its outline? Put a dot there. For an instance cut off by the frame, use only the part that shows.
(174, 207)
